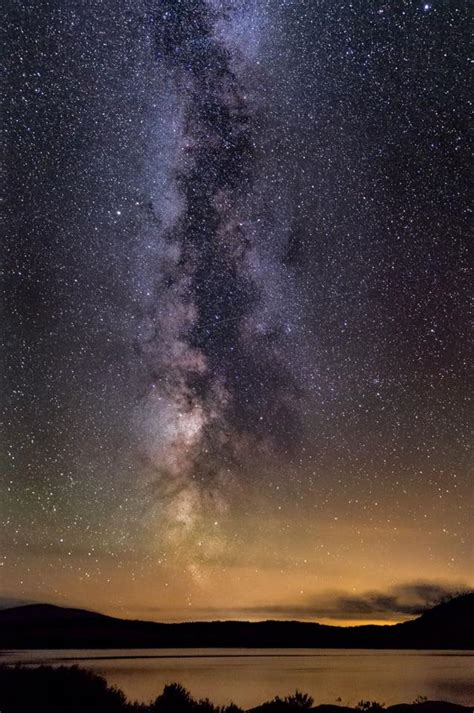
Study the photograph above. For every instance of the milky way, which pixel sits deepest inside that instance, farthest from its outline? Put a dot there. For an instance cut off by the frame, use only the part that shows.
(219, 388)
(236, 287)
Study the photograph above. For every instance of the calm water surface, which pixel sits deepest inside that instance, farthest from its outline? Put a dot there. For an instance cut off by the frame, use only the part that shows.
(250, 676)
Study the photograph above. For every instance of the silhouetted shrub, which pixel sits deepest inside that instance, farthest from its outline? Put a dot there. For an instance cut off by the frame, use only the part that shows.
(370, 706)
(295, 702)
(59, 690)
(176, 699)
(74, 690)
(299, 700)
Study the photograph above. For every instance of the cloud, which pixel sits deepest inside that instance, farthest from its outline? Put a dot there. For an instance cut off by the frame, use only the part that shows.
(403, 600)
(9, 602)
(397, 603)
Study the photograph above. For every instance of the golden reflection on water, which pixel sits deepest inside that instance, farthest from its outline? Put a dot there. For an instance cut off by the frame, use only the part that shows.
(249, 677)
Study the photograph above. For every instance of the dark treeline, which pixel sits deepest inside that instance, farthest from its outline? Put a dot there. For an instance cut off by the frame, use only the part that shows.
(64, 689)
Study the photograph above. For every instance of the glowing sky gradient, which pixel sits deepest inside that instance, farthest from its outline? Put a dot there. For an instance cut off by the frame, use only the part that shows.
(236, 292)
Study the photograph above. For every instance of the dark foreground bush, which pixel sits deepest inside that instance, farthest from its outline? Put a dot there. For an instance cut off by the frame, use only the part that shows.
(296, 702)
(66, 689)
(76, 690)
(176, 699)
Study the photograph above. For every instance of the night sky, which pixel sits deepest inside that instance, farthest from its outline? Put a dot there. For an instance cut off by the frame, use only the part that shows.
(236, 346)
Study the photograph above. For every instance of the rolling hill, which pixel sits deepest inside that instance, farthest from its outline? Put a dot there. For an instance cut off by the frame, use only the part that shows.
(449, 625)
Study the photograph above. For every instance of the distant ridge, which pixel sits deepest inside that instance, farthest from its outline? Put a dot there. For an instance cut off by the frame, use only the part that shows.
(449, 625)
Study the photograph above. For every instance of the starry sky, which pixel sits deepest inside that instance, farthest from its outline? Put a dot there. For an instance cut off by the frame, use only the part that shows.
(236, 349)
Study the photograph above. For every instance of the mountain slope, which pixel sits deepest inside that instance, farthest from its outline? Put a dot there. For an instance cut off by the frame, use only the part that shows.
(446, 626)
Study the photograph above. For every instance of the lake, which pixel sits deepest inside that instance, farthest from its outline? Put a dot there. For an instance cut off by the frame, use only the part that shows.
(250, 676)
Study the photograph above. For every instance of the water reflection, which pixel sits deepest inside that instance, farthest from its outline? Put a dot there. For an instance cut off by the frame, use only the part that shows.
(250, 676)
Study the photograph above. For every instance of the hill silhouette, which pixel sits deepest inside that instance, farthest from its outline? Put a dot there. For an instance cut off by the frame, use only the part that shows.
(446, 626)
